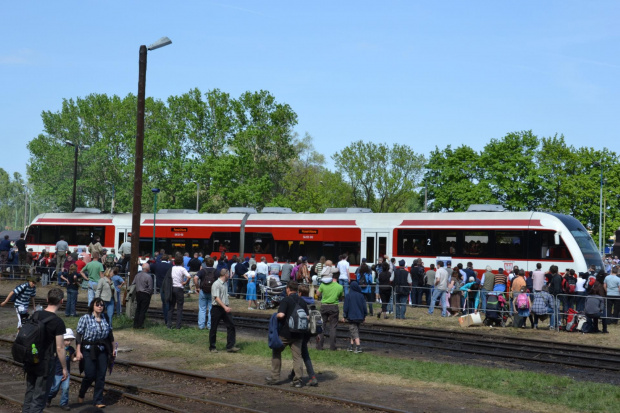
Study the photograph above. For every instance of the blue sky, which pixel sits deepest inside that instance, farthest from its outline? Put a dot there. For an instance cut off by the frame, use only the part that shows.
(421, 73)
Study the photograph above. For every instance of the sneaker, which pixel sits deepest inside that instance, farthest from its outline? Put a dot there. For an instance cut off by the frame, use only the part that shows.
(296, 384)
(271, 381)
(233, 349)
(66, 408)
(358, 349)
(350, 348)
(313, 382)
(212, 350)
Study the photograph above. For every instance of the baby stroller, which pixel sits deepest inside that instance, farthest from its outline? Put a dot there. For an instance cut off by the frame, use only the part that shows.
(497, 311)
(271, 295)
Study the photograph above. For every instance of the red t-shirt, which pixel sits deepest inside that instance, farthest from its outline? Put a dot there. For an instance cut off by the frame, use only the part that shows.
(80, 264)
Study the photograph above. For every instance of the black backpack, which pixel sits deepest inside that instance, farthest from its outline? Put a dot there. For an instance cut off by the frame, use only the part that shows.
(28, 345)
(207, 278)
(363, 283)
(298, 321)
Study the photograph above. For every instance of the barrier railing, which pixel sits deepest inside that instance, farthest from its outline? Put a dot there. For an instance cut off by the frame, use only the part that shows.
(568, 305)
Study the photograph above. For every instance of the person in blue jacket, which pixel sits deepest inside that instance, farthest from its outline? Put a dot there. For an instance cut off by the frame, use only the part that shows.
(354, 312)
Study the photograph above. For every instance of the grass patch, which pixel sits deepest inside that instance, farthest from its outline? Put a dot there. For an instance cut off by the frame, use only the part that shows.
(543, 388)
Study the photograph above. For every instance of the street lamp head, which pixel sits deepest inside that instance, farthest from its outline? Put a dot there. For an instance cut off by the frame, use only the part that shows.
(69, 143)
(85, 147)
(596, 163)
(155, 190)
(164, 41)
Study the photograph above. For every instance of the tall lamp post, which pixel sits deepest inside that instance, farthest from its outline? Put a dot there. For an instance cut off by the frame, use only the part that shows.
(197, 192)
(137, 183)
(155, 192)
(25, 205)
(77, 147)
(600, 212)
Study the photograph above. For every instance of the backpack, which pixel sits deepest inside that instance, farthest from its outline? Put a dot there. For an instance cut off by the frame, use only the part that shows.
(362, 280)
(207, 278)
(315, 322)
(590, 283)
(569, 284)
(523, 303)
(109, 260)
(571, 320)
(298, 321)
(29, 342)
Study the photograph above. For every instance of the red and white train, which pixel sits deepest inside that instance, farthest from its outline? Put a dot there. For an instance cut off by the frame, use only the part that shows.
(499, 239)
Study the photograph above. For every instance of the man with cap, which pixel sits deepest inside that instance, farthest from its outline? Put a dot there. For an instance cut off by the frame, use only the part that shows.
(401, 280)
(330, 292)
(23, 293)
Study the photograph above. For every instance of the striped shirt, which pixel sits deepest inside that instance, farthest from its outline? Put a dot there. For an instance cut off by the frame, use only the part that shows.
(92, 330)
(23, 293)
(500, 279)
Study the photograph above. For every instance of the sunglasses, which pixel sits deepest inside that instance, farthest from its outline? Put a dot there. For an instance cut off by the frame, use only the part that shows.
(98, 305)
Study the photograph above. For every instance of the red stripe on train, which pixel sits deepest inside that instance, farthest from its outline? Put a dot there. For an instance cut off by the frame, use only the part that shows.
(74, 221)
(472, 222)
(299, 223)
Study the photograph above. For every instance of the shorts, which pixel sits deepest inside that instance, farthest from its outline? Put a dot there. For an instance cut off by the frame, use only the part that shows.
(354, 330)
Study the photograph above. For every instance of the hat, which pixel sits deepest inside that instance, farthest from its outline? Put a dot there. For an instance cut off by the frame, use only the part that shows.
(363, 259)
(304, 259)
(500, 271)
(80, 256)
(401, 263)
(471, 279)
(69, 335)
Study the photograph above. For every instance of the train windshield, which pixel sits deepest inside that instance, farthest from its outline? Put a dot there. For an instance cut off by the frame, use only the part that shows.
(588, 248)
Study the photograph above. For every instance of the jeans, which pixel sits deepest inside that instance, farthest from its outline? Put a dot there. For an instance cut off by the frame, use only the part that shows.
(204, 308)
(441, 296)
(345, 285)
(219, 314)
(483, 299)
(165, 306)
(58, 384)
(119, 308)
(92, 286)
(416, 296)
(109, 307)
(401, 305)
(580, 300)
(37, 390)
(94, 370)
(72, 296)
(261, 279)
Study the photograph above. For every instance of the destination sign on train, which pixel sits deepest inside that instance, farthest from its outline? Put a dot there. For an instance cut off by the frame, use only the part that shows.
(308, 231)
(177, 229)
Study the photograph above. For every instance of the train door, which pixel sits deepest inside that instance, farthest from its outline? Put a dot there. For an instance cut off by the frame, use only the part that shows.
(121, 236)
(375, 244)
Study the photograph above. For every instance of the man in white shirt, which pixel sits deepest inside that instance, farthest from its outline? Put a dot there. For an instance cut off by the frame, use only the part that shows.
(343, 278)
(262, 269)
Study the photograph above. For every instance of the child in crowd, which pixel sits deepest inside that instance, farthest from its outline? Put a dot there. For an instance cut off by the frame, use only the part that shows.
(22, 294)
(58, 383)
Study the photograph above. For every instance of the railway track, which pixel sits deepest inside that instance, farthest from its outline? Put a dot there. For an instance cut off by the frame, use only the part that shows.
(166, 389)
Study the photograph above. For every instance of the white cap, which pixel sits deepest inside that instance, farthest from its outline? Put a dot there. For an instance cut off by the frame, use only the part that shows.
(69, 335)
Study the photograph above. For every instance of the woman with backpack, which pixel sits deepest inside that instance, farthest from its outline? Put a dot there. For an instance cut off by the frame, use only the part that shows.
(522, 306)
(364, 279)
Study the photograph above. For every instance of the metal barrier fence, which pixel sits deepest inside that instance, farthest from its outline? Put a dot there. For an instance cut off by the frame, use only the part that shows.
(609, 309)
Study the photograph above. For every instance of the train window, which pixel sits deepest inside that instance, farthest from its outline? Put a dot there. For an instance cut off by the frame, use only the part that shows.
(47, 235)
(509, 244)
(258, 243)
(476, 243)
(548, 249)
(315, 249)
(412, 242)
(223, 242)
(443, 243)
(370, 248)
(32, 235)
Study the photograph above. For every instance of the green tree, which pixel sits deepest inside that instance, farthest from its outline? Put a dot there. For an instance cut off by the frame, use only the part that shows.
(380, 177)
(454, 180)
